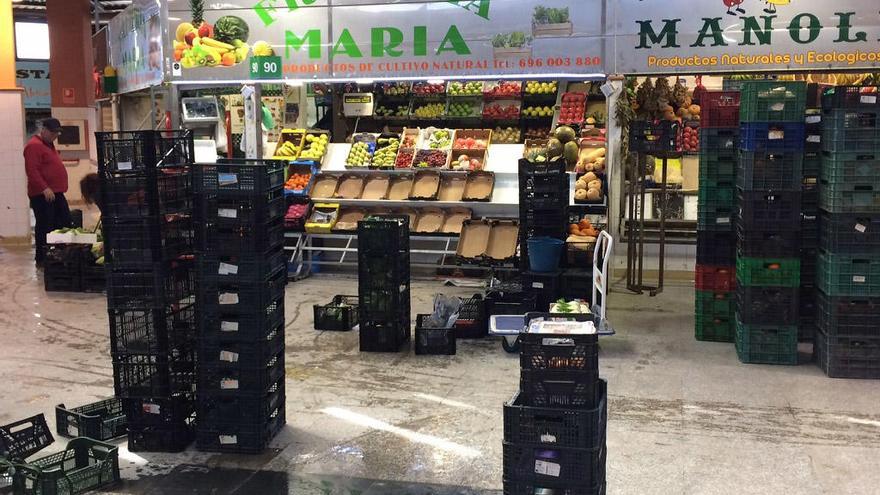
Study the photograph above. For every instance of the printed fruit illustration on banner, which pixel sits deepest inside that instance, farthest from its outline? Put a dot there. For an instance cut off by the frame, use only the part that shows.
(200, 44)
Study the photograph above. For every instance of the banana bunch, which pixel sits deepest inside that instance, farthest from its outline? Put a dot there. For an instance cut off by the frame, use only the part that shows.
(288, 149)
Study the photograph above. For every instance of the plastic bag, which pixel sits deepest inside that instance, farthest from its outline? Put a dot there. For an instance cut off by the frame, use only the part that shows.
(445, 312)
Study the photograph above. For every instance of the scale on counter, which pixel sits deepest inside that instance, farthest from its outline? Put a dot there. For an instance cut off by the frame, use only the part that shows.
(202, 116)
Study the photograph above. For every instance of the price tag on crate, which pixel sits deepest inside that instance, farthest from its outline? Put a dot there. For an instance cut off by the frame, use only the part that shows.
(265, 67)
(547, 468)
(228, 326)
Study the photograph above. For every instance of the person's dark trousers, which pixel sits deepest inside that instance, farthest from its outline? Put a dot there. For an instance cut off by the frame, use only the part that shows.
(49, 216)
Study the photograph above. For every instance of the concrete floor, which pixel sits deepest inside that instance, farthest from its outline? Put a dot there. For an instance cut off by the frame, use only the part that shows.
(685, 417)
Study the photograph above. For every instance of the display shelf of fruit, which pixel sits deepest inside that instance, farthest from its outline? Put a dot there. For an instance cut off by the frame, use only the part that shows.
(538, 88)
(502, 90)
(295, 218)
(436, 139)
(502, 110)
(315, 146)
(462, 108)
(298, 183)
(394, 89)
(361, 153)
(591, 157)
(572, 109)
(536, 133)
(690, 137)
(428, 90)
(391, 111)
(224, 44)
(404, 158)
(429, 111)
(471, 160)
(506, 135)
(410, 137)
(464, 140)
(387, 147)
(589, 189)
(469, 88)
(290, 145)
(433, 158)
(537, 113)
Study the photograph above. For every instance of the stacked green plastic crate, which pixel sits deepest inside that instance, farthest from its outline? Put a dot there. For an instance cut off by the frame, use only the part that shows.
(714, 303)
(848, 272)
(769, 178)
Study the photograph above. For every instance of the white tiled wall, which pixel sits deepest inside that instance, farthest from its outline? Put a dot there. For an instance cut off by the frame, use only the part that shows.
(14, 216)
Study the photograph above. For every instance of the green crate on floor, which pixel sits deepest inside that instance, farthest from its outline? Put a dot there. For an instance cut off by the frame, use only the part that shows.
(766, 344)
(849, 198)
(768, 272)
(716, 205)
(773, 101)
(848, 275)
(718, 166)
(714, 329)
(710, 303)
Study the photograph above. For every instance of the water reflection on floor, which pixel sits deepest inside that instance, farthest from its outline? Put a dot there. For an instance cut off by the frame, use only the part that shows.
(193, 479)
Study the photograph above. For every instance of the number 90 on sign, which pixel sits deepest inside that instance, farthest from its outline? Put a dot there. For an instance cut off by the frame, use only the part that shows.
(265, 67)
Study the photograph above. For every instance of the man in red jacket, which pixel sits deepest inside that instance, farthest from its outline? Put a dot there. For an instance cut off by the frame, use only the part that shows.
(46, 184)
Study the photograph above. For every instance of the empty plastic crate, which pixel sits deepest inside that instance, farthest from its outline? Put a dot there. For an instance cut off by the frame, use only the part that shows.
(719, 109)
(102, 420)
(773, 101)
(812, 162)
(384, 235)
(387, 335)
(340, 315)
(766, 344)
(777, 137)
(654, 137)
(165, 438)
(136, 152)
(138, 244)
(231, 378)
(243, 240)
(552, 427)
(714, 328)
(24, 438)
(242, 213)
(848, 275)
(151, 330)
(716, 278)
(552, 388)
(245, 327)
(850, 233)
(848, 357)
(768, 272)
(776, 210)
(716, 247)
(542, 464)
(433, 340)
(809, 264)
(168, 191)
(851, 130)
(763, 171)
(472, 321)
(84, 465)
(768, 243)
(242, 298)
(160, 411)
(849, 198)
(165, 284)
(719, 165)
(546, 287)
(231, 178)
(862, 97)
(717, 207)
(848, 316)
(153, 375)
(243, 407)
(768, 305)
(240, 438)
(850, 167)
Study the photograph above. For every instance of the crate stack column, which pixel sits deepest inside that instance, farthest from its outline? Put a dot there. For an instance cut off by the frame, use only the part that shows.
(384, 283)
(769, 181)
(847, 344)
(148, 233)
(543, 212)
(241, 278)
(716, 236)
(810, 222)
(555, 427)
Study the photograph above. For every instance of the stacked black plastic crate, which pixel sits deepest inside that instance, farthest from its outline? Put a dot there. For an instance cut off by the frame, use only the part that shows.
(769, 178)
(714, 305)
(810, 221)
(555, 427)
(384, 283)
(148, 244)
(847, 344)
(241, 279)
(543, 212)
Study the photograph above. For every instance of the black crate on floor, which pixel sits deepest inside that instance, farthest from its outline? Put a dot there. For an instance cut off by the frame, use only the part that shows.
(138, 244)
(768, 243)
(384, 273)
(766, 171)
(850, 233)
(510, 303)
(219, 377)
(385, 235)
(160, 411)
(554, 427)
(102, 420)
(848, 357)
(62, 277)
(387, 335)
(433, 340)
(214, 269)
(165, 191)
(546, 287)
(552, 388)
(239, 178)
(567, 467)
(23, 438)
(762, 210)
(340, 315)
(242, 407)
(241, 213)
(246, 327)
(163, 284)
(848, 316)
(559, 353)
(255, 239)
(239, 298)
(153, 375)
(769, 305)
(136, 152)
(240, 438)
(162, 438)
(716, 247)
(151, 330)
(471, 322)
(526, 488)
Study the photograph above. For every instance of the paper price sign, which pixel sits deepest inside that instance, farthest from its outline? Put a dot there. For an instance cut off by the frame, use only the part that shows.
(265, 67)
